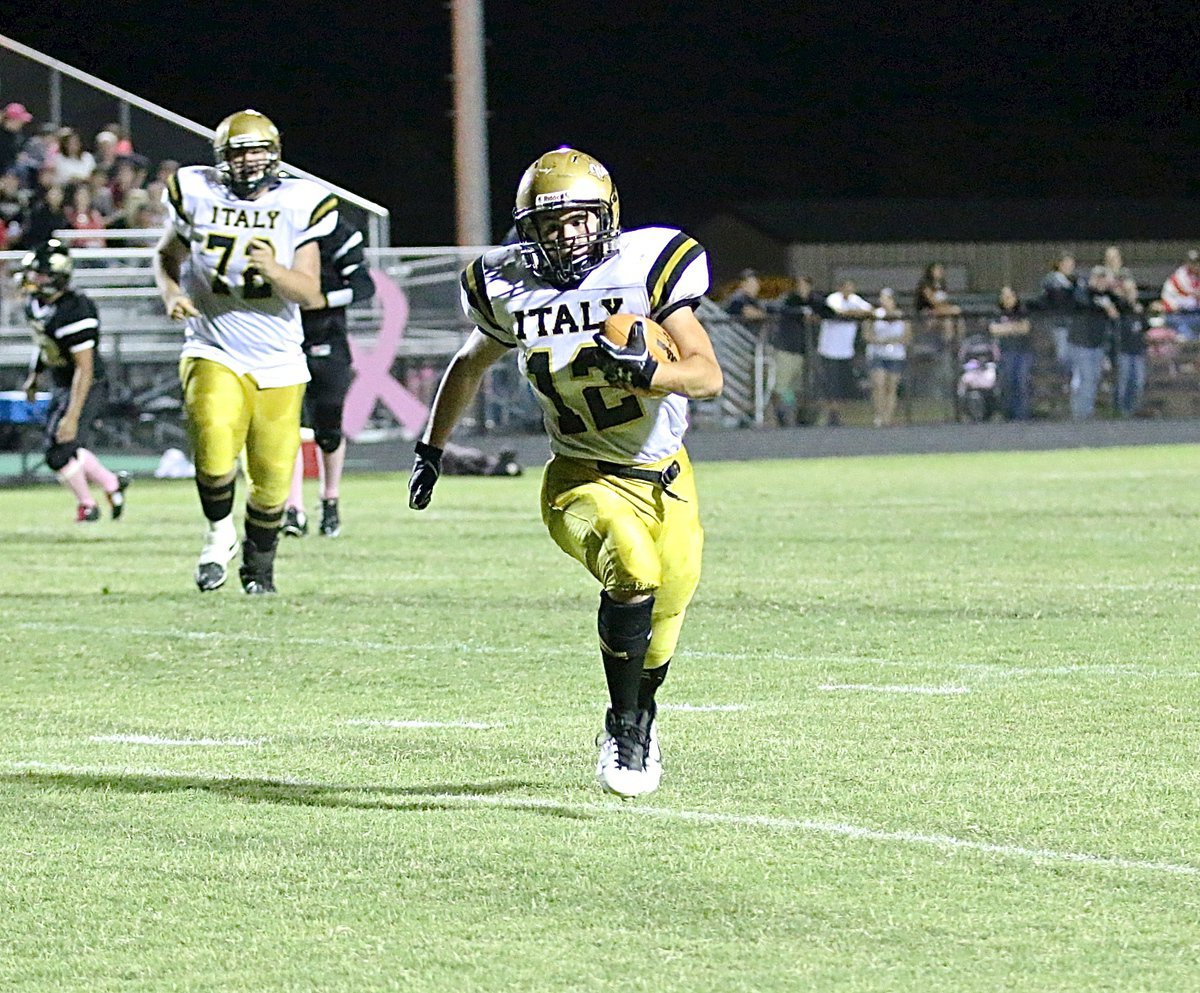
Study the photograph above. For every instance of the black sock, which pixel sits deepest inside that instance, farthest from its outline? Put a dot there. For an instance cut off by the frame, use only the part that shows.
(652, 679)
(216, 500)
(624, 630)
(262, 527)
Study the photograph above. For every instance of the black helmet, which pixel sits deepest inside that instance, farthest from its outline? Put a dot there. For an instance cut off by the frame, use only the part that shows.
(46, 271)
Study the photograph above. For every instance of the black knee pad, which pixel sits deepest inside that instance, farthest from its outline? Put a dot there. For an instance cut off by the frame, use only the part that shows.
(624, 628)
(60, 453)
(328, 439)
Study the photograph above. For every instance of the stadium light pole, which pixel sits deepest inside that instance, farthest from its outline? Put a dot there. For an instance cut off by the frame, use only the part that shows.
(472, 190)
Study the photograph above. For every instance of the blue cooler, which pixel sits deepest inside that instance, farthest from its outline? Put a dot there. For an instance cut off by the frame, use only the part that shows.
(16, 409)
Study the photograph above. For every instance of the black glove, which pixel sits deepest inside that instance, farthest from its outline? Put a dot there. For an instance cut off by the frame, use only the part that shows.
(427, 466)
(627, 365)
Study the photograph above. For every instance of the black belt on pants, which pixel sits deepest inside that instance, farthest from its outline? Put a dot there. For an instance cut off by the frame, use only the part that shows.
(663, 478)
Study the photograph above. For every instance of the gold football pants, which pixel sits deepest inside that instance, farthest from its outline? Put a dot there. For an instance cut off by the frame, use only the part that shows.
(227, 412)
(630, 536)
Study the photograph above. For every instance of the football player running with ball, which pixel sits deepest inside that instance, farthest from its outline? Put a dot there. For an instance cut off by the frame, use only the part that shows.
(618, 494)
(237, 262)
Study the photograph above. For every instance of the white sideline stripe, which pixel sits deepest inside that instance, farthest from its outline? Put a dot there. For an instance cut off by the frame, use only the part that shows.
(472, 725)
(149, 739)
(997, 669)
(831, 828)
(871, 688)
(698, 708)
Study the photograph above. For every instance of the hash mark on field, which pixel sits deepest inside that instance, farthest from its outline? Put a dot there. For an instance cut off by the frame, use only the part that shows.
(471, 725)
(703, 707)
(870, 688)
(149, 739)
(626, 808)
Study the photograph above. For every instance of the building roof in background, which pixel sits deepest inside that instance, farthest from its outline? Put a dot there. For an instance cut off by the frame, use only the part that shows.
(916, 220)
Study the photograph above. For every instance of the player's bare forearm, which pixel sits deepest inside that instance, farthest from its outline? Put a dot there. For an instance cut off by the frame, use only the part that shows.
(301, 283)
(81, 385)
(697, 374)
(459, 386)
(298, 287)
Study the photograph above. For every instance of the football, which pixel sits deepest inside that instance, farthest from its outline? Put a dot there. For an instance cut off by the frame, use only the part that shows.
(660, 343)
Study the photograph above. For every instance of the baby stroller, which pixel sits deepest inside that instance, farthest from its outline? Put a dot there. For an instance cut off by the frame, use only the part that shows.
(978, 361)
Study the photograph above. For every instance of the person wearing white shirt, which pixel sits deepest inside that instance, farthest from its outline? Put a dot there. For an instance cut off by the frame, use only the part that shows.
(835, 346)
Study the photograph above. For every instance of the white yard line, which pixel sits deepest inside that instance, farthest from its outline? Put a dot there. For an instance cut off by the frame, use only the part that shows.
(944, 842)
(470, 725)
(149, 739)
(872, 688)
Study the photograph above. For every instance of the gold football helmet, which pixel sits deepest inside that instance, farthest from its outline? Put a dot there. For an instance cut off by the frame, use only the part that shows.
(246, 130)
(567, 216)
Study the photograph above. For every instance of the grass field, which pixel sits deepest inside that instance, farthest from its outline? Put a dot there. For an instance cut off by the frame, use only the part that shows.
(933, 727)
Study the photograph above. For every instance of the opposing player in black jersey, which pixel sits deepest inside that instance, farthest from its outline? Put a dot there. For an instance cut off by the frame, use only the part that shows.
(67, 329)
(344, 280)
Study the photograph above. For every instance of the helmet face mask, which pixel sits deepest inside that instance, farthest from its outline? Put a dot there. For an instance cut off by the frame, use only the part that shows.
(567, 216)
(46, 271)
(247, 149)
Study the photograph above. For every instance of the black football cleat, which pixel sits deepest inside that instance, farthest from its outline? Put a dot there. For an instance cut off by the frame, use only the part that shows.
(331, 521)
(295, 523)
(258, 570)
(87, 514)
(116, 499)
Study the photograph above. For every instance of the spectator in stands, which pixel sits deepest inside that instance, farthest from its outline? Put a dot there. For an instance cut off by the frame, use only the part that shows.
(1181, 298)
(14, 207)
(75, 163)
(1089, 337)
(101, 195)
(13, 119)
(835, 345)
(1130, 386)
(799, 313)
(887, 353)
(82, 216)
(1058, 303)
(47, 215)
(37, 161)
(124, 142)
(127, 217)
(1011, 328)
(105, 145)
(166, 169)
(124, 178)
(932, 299)
(744, 302)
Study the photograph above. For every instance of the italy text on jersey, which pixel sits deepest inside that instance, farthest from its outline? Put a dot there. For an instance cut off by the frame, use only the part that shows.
(654, 271)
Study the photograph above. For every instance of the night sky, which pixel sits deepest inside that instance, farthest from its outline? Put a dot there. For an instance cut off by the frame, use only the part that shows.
(693, 106)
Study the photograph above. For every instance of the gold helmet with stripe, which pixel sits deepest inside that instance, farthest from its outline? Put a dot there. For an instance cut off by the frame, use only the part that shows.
(239, 135)
(567, 216)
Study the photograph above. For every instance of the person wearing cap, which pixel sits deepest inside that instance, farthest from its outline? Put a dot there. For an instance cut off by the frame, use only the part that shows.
(13, 119)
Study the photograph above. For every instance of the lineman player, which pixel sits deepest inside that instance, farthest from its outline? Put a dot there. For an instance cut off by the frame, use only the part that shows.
(344, 280)
(619, 494)
(68, 333)
(237, 262)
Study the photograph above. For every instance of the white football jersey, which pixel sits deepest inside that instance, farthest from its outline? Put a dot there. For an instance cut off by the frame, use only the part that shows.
(244, 324)
(654, 272)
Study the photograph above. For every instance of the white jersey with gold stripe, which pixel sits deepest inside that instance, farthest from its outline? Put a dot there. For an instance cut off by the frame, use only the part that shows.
(654, 272)
(244, 324)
